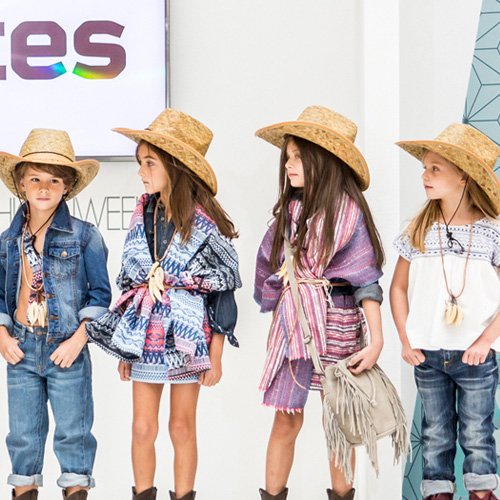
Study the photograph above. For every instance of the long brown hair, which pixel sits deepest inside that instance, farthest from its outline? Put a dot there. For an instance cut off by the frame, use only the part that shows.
(185, 191)
(326, 179)
(420, 224)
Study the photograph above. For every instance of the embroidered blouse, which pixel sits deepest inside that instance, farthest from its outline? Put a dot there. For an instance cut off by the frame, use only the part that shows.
(427, 294)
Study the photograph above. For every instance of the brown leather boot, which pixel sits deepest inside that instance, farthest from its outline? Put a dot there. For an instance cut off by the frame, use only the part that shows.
(488, 496)
(187, 496)
(333, 496)
(440, 496)
(27, 495)
(78, 495)
(267, 496)
(149, 494)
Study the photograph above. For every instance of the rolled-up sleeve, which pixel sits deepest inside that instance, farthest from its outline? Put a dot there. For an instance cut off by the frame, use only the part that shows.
(95, 257)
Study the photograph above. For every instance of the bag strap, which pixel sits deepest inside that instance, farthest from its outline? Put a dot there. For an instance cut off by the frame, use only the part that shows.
(308, 338)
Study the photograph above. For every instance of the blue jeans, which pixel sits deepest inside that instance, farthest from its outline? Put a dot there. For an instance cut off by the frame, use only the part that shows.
(456, 393)
(31, 383)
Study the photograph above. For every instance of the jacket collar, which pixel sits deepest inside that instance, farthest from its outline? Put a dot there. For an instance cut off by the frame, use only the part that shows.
(60, 222)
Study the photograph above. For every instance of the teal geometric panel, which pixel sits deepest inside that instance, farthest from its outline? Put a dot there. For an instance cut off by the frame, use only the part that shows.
(482, 106)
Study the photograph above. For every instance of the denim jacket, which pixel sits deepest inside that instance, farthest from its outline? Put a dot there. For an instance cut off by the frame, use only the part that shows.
(74, 272)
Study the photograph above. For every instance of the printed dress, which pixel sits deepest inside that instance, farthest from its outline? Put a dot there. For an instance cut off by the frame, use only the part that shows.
(168, 340)
(334, 318)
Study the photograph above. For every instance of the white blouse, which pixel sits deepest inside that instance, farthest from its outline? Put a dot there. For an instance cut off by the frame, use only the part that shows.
(480, 300)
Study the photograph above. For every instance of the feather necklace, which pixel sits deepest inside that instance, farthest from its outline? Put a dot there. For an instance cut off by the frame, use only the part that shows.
(453, 312)
(156, 276)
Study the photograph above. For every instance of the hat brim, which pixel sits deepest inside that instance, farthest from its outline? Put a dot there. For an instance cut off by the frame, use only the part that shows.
(325, 137)
(465, 160)
(179, 150)
(86, 170)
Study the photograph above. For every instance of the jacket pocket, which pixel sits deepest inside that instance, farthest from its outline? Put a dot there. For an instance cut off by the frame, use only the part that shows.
(64, 260)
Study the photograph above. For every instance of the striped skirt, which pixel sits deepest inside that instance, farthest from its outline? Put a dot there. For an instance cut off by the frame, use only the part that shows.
(288, 391)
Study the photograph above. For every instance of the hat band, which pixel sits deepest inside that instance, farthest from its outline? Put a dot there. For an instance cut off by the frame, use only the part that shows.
(49, 156)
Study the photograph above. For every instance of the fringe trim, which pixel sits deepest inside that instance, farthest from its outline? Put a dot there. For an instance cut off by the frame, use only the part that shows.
(353, 409)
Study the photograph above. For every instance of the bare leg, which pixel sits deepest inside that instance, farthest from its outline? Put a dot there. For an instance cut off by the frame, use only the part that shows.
(182, 427)
(144, 432)
(74, 489)
(23, 489)
(281, 449)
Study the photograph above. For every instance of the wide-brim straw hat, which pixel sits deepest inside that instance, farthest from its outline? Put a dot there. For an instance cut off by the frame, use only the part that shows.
(48, 147)
(327, 129)
(183, 137)
(468, 149)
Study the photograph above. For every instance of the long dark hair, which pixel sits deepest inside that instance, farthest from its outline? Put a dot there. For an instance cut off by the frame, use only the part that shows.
(326, 178)
(186, 190)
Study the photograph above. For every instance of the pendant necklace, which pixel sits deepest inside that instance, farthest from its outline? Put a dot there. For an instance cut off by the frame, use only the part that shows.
(156, 276)
(37, 310)
(453, 312)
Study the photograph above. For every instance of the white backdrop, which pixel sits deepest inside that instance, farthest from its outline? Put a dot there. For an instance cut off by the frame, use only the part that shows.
(400, 71)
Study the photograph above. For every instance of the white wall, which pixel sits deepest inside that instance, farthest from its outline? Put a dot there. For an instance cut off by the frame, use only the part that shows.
(399, 70)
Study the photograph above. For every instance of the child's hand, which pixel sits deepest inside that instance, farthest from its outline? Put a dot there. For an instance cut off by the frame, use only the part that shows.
(9, 348)
(412, 356)
(365, 359)
(476, 353)
(65, 355)
(124, 370)
(213, 376)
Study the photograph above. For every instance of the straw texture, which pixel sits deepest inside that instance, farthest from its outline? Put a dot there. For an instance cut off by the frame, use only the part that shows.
(180, 135)
(327, 129)
(468, 149)
(48, 147)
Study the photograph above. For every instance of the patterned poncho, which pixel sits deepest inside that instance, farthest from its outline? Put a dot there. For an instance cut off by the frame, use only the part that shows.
(206, 263)
(352, 260)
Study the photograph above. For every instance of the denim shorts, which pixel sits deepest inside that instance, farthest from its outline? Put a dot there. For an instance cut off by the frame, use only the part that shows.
(458, 400)
(33, 382)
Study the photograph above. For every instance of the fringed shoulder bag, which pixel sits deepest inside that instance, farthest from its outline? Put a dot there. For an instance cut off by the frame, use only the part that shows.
(358, 409)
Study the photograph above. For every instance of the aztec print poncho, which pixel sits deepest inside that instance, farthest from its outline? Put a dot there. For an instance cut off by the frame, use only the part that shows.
(353, 260)
(190, 272)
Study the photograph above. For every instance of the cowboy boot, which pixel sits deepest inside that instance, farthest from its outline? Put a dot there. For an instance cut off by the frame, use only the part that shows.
(267, 496)
(77, 495)
(149, 494)
(488, 496)
(440, 496)
(187, 496)
(334, 496)
(27, 495)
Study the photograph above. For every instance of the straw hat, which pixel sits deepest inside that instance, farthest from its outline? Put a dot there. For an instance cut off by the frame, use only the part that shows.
(468, 149)
(180, 135)
(327, 129)
(48, 147)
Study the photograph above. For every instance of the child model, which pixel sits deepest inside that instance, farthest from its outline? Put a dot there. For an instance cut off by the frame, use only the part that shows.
(179, 273)
(52, 280)
(445, 299)
(338, 255)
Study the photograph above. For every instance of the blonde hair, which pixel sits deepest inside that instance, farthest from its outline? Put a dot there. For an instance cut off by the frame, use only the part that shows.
(420, 224)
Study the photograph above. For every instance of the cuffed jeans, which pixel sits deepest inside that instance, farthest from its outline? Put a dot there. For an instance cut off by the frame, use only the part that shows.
(31, 383)
(452, 393)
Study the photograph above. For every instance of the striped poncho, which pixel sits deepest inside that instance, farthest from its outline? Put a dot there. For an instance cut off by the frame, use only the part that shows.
(353, 260)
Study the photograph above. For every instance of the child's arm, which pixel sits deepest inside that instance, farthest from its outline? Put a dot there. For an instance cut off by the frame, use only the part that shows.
(367, 357)
(400, 310)
(68, 351)
(213, 376)
(477, 352)
(9, 347)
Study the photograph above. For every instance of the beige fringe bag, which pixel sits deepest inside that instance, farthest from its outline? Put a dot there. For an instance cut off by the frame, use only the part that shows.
(358, 409)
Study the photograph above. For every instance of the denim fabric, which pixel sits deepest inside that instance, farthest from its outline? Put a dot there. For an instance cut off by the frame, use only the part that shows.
(454, 393)
(31, 383)
(75, 274)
